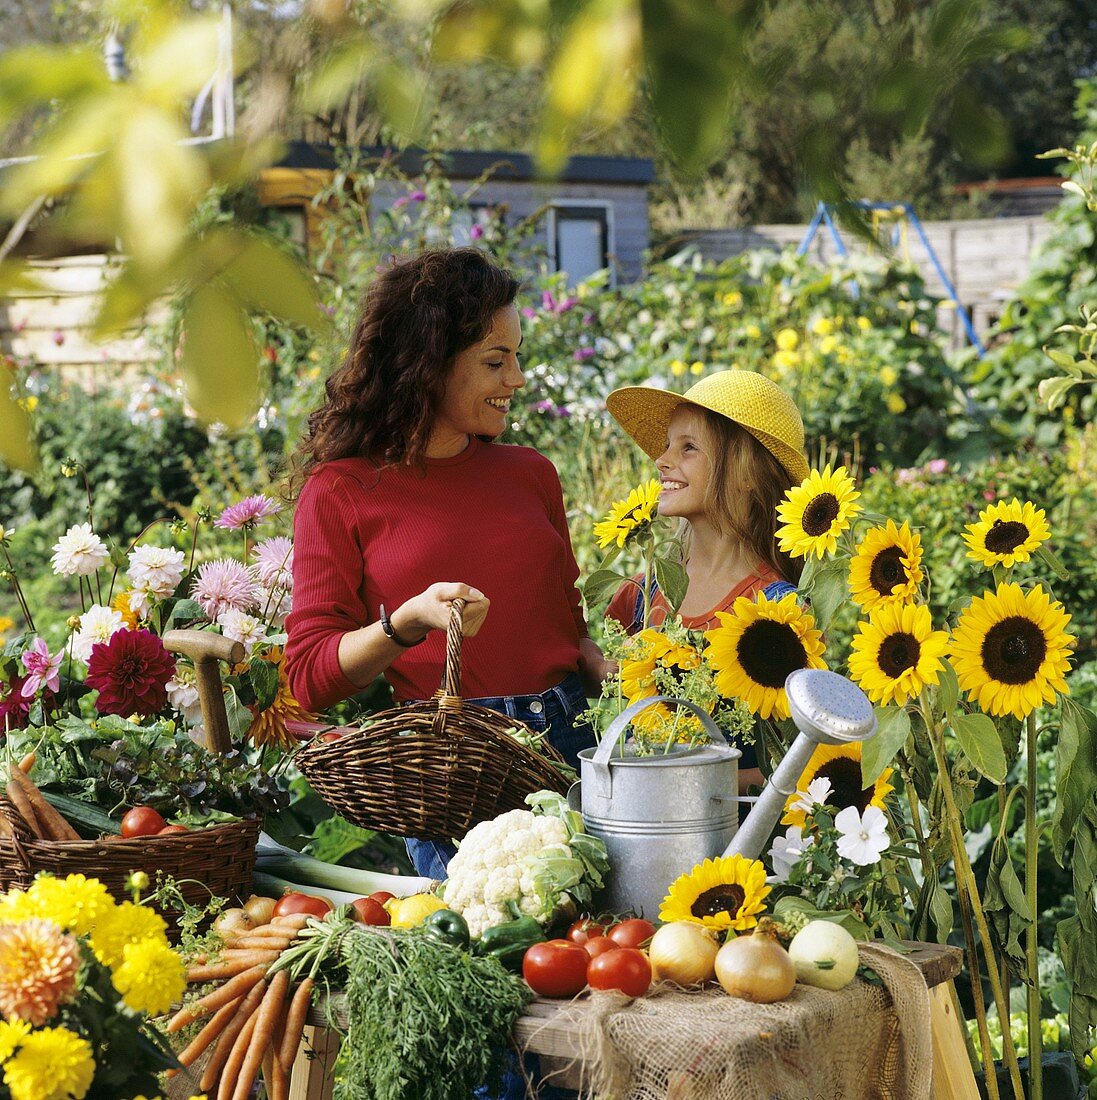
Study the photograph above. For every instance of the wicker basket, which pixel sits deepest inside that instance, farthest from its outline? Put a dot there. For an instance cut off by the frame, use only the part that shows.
(433, 769)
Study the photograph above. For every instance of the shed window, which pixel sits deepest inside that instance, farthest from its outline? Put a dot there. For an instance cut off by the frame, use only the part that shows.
(579, 240)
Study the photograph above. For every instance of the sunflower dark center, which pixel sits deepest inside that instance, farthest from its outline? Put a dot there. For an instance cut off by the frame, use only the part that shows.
(845, 783)
(1005, 536)
(888, 570)
(1013, 650)
(898, 652)
(820, 514)
(769, 651)
(728, 897)
(677, 673)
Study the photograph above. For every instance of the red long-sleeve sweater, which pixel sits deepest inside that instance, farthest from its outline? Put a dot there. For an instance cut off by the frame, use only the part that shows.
(491, 517)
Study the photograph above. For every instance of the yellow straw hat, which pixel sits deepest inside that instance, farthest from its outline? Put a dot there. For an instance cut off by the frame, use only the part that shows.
(744, 396)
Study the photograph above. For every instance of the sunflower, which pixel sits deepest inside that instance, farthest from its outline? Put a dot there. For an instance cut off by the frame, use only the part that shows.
(887, 567)
(649, 651)
(840, 765)
(1006, 533)
(723, 893)
(897, 652)
(757, 645)
(816, 512)
(626, 517)
(1011, 651)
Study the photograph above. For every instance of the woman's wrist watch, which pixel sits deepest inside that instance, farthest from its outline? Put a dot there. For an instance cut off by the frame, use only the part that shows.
(390, 632)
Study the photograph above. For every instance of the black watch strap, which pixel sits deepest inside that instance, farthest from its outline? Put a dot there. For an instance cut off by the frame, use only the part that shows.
(390, 632)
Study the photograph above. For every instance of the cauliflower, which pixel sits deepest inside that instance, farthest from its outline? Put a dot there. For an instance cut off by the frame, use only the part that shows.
(524, 863)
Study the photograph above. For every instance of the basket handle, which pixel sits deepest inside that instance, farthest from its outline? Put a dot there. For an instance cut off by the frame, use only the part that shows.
(451, 674)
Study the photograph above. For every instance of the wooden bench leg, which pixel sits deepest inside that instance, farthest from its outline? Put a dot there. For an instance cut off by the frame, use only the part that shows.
(312, 1075)
(953, 1078)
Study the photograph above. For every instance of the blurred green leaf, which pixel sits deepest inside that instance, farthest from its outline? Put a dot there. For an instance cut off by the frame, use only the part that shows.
(268, 279)
(179, 63)
(324, 86)
(16, 445)
(978, 129)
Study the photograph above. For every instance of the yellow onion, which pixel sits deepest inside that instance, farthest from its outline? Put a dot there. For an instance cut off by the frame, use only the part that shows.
(259, 910)
(756, 967)
(682, 952)
(233, 921)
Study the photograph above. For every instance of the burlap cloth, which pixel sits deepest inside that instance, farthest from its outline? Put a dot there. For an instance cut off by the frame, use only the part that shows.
(865, 1042)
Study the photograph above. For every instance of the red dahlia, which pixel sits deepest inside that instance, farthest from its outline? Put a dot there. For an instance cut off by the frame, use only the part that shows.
(130, 672)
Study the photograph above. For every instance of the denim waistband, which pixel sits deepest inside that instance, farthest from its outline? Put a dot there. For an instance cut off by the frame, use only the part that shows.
(568, 694)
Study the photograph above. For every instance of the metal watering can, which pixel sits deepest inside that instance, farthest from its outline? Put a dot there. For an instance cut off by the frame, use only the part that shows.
(660, 815)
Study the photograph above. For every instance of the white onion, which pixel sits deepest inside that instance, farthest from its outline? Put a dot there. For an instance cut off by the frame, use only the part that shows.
(683, 953)
(824, 954)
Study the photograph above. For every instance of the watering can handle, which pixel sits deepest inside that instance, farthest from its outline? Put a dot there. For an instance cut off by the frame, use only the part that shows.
(616, 730)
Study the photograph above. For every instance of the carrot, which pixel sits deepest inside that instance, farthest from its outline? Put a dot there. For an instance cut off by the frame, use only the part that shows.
(198, 1044)
(232, 989)
(228, 1038)
(276, 930)
(265, 1020)
(262, 943)
(210, 972)
(295, 1024)
(26, 811)
(51, 821)
(277, 1080)
(231, 1073)
(290, 920)
(27, 762)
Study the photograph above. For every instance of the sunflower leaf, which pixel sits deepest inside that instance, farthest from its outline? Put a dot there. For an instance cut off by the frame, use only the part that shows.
(979, 740)
(892, 731)
(1049, 558)
(948, 690)
(672, 580)
(1076, 769)
(599, 583)
(829, 590)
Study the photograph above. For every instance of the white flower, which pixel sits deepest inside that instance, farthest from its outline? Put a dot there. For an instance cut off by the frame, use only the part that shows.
(78, 551)
(864, 836)
(156, 570)
(274, 604)
(785, 852)
(97, 624)
(183, 694)
(242, 627)
(816, 795)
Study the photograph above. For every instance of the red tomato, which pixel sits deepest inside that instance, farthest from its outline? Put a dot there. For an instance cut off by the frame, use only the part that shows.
(381, 896)
(626, 969)
(599, 945)
(584, 929)
(142, 821)
(631, 933)
(295, 902)
(330, 735)
(557, 968)
(168, 830)
(369, 911)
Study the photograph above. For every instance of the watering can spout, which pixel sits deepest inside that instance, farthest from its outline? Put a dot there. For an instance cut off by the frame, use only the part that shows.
(828, 709)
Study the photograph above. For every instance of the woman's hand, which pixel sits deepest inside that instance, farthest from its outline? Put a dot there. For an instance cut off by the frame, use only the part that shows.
(430, 610)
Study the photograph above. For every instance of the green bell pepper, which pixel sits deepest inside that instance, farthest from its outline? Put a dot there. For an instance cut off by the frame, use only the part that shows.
(447, 927)
(509, 942)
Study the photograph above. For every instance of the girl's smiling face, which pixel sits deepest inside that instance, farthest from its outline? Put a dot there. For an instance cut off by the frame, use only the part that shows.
(685, 467)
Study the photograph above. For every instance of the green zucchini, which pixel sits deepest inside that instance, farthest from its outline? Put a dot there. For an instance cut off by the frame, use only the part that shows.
(87, 819)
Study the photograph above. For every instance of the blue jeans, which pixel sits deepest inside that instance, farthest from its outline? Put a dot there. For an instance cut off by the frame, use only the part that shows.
(553, 711)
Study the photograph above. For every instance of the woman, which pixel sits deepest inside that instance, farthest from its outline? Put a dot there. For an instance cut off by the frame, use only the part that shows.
(727, 451)
(408, 505)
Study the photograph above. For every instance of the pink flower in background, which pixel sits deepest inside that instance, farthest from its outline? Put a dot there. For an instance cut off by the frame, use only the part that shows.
(581, 354)
(247, 512)
(58, 337)
(274, 562)
(529, 312)
(937, 465)
(988, 494)
(223, 585)
(131, 673)
(476, 232)
(42, 669)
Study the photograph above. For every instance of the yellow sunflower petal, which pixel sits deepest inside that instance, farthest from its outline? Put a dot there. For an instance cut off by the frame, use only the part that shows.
(816, 512)
(1006, 533)
(896, 653)
(887, 567)
(841, 766)
(724, 893)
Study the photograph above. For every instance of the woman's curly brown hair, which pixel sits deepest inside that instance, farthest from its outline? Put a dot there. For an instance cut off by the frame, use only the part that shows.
(415, 318)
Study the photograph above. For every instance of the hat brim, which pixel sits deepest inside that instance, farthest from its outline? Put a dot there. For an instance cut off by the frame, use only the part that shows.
(645, 413)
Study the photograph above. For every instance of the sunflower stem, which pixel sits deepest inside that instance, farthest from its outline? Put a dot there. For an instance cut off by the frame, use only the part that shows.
(1032, 839)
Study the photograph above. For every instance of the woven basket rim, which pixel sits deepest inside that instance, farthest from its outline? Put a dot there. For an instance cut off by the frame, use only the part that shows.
(125, 843)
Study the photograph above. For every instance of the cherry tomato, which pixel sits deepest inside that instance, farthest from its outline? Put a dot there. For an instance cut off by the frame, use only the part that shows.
(556, 968)
(599, 945)
(632, 933)
(381, 896)
(142, 821)
(626, 969)
(369, 911)
(330, 735)
(168, 830)
(584, 929)
(295, 902)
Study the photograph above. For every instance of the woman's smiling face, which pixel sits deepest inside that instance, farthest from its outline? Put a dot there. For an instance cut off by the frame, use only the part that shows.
(685, 466)
(480, 385)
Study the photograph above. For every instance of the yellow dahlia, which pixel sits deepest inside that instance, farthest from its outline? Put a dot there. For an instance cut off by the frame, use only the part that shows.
(127, 924)
(887, 567)
(723, 893)
(121, 603)
(38, 967)
(816, 512)
(897, 652)
(757, 645)
(151, 977)
(74, 903)
(647, 652)
(268, 727)
(1006, 533)
(52, 1064)
(628, 516)
(840, 766)
(12, 1034)
(1011, 650)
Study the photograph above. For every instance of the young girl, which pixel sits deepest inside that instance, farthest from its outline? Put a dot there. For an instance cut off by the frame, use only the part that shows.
(727, 451)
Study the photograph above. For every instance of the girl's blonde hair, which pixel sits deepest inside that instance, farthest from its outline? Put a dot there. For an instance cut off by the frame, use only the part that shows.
(746, 483)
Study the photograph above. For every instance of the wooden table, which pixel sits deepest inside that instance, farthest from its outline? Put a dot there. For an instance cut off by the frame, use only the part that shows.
(547, 1029)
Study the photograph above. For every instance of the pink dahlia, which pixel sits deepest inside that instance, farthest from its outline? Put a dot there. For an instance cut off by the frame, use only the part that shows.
(274, 562)
(131, 673)
(247, 512)
(43, 668)
(224, 585)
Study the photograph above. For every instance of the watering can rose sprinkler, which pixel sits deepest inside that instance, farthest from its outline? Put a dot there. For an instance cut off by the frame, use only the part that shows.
(661, 815)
